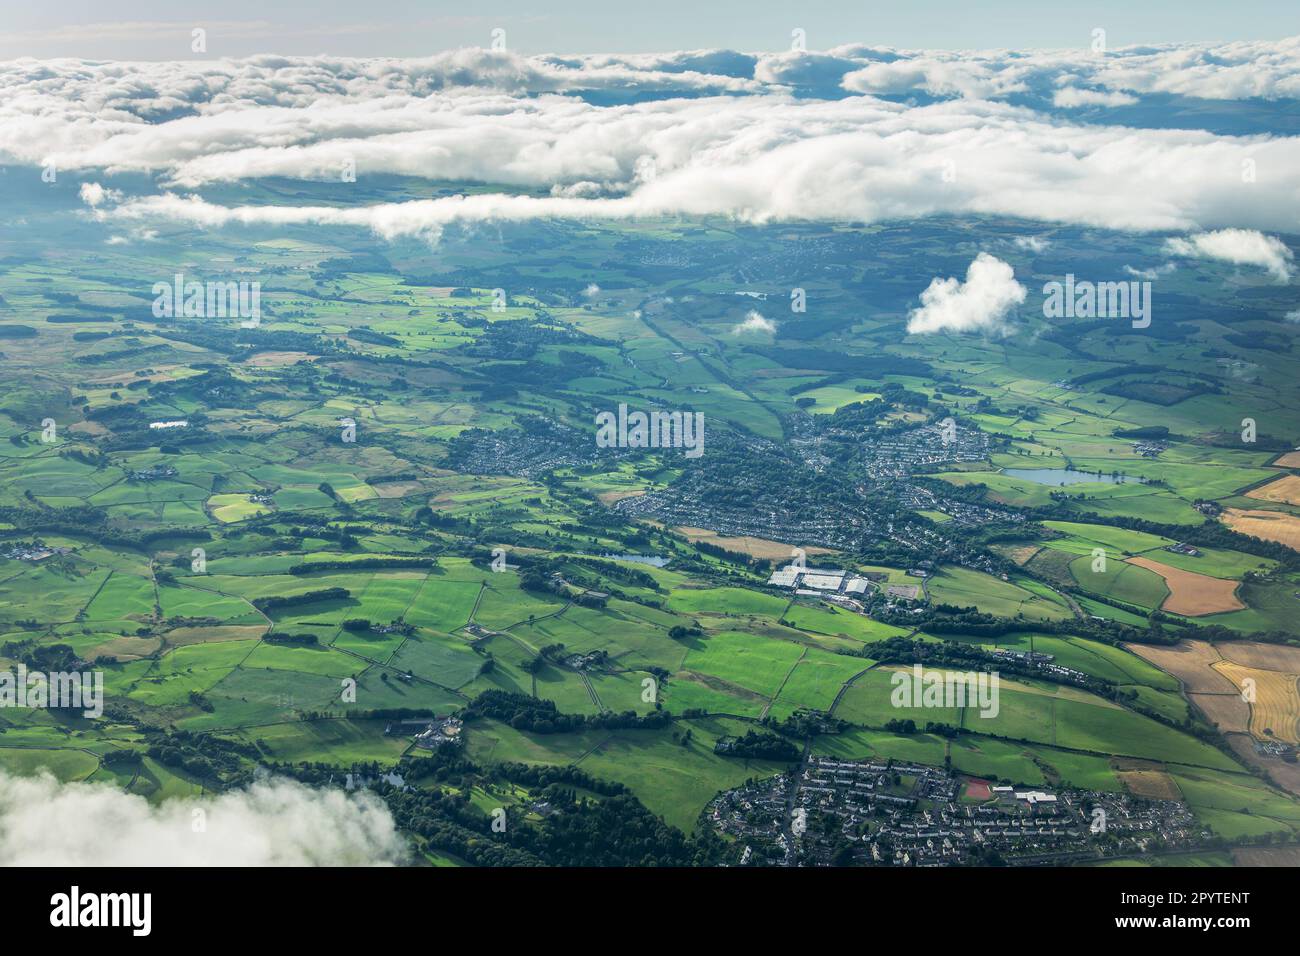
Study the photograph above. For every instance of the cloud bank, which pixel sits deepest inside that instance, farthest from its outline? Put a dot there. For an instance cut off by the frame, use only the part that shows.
(980, 304)
(857, 133)
(1240, 247)
(1071, 97)
(278, 823)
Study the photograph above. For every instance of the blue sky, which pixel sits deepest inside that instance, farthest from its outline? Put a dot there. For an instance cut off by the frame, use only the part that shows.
(159, 29)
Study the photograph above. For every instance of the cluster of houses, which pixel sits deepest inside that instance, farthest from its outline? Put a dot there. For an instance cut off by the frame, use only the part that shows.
(920, 498)
(684, 506)
(1275, 748)
(1149, 449)
(577, 592)
(428, 734)
(592, 660)
(154, 473)
(885, 813)
(920, 449)
(1045, 663)
(33, 551)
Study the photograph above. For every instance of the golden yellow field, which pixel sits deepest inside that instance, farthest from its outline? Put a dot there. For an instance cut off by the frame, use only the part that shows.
(1192, 662)
(1191, 593)
(1285, 489)
(1290, 460)
(760, 548)
(1277, 701)
(1265, 525)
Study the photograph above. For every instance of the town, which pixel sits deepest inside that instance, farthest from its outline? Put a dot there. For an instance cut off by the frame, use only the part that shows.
(887, 813)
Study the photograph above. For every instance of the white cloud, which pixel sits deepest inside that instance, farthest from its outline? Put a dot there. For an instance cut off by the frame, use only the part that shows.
(591, 291)
(757, 159)
(938, 76)
(1071, 97)
(980, 304)
(1292, 316)
(93, 194)
(1224, 71)
(754, 322)
(1031, 243)
(1240, 247)
(277, 823)
(688, 133)
(1153, 273)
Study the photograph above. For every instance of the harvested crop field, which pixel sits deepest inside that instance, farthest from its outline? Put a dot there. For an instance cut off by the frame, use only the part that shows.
(1285, 489)
(272, 359)
(1265, 525)
(1190, 593)
(754, 547)
(1228, 712)
(1290, 460)
(1269, 657)
(1276, 710)
(1192, 662)
(1150, 784)
(1189, 661)
(398, 489)
(1285, 775)
(1267, 856)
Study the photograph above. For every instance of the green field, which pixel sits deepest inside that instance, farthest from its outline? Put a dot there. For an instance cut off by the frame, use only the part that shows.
(265, 595)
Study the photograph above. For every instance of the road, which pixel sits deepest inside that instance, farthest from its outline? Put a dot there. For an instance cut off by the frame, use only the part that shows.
(787, 825)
